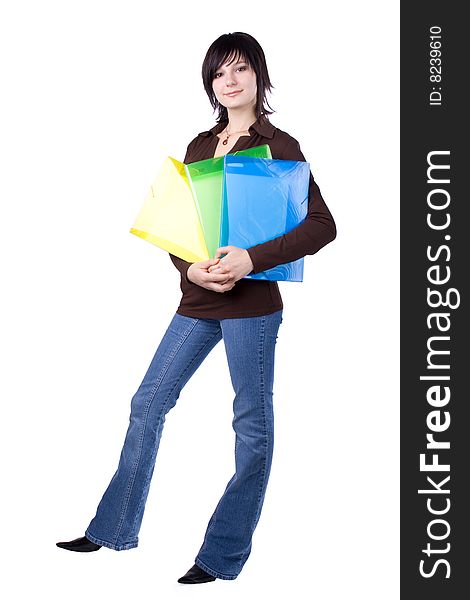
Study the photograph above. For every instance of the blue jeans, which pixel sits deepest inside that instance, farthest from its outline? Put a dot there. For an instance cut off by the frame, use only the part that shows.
(249, 345)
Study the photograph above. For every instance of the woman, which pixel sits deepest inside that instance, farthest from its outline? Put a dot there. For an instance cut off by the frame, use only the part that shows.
(217, 303)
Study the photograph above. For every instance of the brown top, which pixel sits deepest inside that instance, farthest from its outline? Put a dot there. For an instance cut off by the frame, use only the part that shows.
(252, 297)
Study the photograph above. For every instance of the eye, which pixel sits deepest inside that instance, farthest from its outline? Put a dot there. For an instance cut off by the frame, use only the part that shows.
(243, 68)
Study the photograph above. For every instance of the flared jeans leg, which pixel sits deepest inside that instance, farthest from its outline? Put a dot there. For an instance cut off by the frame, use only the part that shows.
(183, 348)
(249, 344)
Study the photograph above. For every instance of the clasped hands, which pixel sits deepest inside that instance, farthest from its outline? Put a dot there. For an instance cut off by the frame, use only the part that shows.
(221, 274)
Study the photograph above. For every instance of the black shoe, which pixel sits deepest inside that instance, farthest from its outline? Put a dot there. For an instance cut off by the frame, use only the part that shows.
(196, 575)
(81, 544)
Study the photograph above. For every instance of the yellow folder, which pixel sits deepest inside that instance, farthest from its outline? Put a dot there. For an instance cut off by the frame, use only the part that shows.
(169, 217)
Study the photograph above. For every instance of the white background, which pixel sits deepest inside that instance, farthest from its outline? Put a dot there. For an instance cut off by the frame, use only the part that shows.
(95, 94)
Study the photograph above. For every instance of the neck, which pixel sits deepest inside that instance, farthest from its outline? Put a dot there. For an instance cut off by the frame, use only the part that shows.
(240, 119)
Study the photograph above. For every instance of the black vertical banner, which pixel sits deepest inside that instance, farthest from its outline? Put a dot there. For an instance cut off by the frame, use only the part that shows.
(434, 259)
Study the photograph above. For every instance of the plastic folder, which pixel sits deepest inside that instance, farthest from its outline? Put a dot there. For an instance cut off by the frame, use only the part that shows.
(181, 212)
(169, 218)
(262, 199)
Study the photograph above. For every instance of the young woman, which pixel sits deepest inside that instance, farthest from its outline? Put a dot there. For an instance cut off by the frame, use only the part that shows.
(218, 304)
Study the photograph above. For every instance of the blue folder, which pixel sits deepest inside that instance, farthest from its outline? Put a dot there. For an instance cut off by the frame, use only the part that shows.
(264, 198)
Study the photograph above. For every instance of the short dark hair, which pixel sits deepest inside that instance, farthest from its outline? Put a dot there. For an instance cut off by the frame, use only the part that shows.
(239, 46)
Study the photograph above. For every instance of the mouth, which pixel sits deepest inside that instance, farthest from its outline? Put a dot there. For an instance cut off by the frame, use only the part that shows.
(233, 93)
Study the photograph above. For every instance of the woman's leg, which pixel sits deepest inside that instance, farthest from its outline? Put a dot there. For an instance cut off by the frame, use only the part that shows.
(249, 344)
(183, 348)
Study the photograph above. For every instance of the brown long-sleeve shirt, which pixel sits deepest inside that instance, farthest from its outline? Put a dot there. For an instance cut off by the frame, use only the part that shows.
(253, 297)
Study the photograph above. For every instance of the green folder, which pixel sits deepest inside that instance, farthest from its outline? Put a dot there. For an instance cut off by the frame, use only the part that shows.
(206, 181)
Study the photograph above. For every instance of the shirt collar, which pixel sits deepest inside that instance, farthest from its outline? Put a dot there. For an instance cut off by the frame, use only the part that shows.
(261, 126)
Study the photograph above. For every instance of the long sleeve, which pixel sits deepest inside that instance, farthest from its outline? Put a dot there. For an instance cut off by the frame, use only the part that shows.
(317, 229)
(182, 267)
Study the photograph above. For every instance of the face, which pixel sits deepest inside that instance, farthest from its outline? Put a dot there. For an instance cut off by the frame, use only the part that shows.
(235, 77)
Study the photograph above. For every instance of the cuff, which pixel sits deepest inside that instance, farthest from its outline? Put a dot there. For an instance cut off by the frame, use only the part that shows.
(252, 255)
(184, 273)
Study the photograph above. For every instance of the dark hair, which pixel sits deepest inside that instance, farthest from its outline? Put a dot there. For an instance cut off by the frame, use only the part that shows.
(239, 46)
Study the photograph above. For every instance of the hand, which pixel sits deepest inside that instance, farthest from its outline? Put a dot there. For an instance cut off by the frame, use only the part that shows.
(199, 274)
(236, 264)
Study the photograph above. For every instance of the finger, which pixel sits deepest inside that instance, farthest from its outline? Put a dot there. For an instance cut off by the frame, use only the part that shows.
(223, 250)
(204, 264)
(216, 269)
(218, 287)
(208, 263)
(215, 287)
(218, 277)
(224, 284)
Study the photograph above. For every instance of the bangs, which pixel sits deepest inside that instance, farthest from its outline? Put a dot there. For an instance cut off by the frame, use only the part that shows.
(230, 55)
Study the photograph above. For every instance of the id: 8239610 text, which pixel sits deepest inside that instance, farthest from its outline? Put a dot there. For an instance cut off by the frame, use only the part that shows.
(435, 66)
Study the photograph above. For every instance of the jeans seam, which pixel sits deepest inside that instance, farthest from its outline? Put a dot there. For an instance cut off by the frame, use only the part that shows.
(261, 357)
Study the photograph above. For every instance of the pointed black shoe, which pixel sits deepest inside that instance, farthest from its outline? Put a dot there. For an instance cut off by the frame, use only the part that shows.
(196, 575)
(81, 544)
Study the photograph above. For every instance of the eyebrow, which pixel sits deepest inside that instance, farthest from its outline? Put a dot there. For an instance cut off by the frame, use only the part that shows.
(238, 62)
